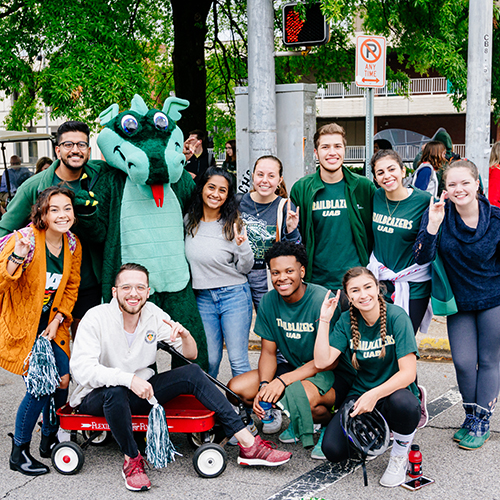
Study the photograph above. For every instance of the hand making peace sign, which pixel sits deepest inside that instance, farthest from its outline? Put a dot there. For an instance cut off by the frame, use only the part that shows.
(239, 238)
(436, 213)
(22, 245)
(292, 218)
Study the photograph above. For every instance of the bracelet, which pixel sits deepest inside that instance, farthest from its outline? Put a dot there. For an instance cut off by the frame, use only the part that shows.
(14, 260)
(62, 319)
(17, 257)
(281, 380)
(262, 383)
(324, 321)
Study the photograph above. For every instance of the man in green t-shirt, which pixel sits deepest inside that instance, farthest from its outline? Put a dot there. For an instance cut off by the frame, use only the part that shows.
(336, 212)
(288, 320)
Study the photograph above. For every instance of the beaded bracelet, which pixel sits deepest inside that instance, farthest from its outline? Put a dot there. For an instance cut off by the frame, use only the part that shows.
(262, 383)
(17, 257)
(14, 260)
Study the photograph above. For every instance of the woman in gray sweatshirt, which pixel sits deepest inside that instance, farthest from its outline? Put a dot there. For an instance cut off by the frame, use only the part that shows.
(220, 256)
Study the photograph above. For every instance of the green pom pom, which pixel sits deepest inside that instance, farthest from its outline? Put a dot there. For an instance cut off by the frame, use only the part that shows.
(159, 449)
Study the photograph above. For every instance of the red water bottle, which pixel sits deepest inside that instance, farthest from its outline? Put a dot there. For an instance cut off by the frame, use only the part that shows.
(415, 460)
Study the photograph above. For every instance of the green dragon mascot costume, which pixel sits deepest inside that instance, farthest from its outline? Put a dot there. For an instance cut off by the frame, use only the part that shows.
(142, 195)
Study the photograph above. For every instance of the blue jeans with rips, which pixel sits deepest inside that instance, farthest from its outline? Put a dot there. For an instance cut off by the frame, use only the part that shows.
(227, 316)
(30, 408)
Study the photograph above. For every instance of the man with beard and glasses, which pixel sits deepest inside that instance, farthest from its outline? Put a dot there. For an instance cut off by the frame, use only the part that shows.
(76, 172)
(111, 364)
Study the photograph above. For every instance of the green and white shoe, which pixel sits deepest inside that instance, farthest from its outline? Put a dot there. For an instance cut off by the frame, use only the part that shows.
(317, 452)
(288, 436)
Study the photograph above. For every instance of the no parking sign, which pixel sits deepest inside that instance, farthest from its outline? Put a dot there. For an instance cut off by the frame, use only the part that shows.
(370, 61)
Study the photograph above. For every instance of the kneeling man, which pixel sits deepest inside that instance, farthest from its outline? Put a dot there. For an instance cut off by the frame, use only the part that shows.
(287, 321)
(111, 359)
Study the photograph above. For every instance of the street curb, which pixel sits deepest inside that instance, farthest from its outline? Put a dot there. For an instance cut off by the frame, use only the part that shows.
(434, 347)
(429, 347)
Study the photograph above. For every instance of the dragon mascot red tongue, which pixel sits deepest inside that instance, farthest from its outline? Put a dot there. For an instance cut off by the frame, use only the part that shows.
(142, 196)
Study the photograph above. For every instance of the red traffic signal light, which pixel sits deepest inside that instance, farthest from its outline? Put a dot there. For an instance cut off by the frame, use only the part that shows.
(311, 30)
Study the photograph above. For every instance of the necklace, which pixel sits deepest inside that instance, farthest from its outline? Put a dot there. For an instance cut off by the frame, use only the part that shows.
(259, 212)
(52, 244)
(389, 210)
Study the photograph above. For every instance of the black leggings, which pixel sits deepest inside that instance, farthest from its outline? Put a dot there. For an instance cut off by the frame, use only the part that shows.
(475, 349)
(119, 403)
(401, 410)
(417, 312)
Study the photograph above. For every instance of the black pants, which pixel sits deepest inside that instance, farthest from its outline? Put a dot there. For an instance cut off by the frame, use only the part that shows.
(401, 410)
(118, 404)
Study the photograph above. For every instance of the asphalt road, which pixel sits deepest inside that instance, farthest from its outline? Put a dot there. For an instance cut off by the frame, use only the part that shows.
(458, 473)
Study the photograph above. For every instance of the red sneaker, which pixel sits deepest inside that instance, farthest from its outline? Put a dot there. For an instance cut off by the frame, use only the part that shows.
(134, 475)
(263, 453)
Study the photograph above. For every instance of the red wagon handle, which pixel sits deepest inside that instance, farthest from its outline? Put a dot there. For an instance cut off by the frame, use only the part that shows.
(241, 407)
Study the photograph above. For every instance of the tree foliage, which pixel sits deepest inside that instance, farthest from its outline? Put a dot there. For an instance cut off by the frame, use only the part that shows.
(77, 57)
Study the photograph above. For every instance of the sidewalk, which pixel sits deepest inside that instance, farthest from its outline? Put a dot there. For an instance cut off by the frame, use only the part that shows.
(433, 344)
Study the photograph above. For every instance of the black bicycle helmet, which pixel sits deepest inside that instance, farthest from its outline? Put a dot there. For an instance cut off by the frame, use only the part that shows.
(368, 433)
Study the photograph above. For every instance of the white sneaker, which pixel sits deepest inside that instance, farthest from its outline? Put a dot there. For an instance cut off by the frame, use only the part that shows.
(251, 427)
(395, 474)
(424, 414)
(274, 425)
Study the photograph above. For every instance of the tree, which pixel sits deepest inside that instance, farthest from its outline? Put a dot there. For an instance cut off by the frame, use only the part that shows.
(81, 60)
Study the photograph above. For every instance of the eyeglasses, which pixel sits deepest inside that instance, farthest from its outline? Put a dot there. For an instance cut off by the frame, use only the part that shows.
(128, 288)
(69, 145)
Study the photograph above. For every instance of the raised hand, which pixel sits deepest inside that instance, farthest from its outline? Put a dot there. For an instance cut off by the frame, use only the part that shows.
(436, 213)
(22, 243)
(292, 218)
(177, 330)
(239, 238)
(328, 307)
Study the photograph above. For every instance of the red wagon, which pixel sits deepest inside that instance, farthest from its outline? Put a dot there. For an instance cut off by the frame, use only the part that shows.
(184, 414)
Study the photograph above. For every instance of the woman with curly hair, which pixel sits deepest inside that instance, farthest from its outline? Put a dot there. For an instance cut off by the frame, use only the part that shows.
(220, 256)
(379, 339)
(39, 278)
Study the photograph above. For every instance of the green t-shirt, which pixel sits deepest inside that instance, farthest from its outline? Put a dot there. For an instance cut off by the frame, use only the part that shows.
(87, 275)
(293, 327)
(374, 371)
(335, 252)
(395, 228)
(54, 274)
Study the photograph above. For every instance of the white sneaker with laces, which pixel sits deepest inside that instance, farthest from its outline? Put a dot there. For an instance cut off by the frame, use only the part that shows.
(424, 415)
(275, 424)
(395, 474)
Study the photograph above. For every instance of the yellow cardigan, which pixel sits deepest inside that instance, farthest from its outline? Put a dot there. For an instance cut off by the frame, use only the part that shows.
(21, 301)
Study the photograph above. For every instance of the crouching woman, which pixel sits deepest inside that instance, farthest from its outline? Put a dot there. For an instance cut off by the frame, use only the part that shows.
(379, 339)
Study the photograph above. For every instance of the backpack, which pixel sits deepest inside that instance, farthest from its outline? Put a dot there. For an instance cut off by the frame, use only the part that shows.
(432, 186)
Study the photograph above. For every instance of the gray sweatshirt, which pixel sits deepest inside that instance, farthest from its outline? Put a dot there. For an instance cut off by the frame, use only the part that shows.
(214, 261)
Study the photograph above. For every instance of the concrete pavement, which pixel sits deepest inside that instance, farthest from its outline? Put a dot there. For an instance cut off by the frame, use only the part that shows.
(458, 473)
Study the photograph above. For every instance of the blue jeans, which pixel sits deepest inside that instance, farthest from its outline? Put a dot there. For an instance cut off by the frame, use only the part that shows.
(30, 408)
(227, 316)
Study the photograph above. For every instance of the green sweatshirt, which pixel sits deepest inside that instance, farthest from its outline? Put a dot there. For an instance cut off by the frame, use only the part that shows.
(359, 193)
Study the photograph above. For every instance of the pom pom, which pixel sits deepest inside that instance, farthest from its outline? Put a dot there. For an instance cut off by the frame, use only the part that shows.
(159, 449)
(42, 377)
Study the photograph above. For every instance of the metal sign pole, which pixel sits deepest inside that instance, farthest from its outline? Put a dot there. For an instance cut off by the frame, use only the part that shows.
(369, 131)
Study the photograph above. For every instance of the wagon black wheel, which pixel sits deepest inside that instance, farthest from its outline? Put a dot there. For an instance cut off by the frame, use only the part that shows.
(209, 460)
(102, 439)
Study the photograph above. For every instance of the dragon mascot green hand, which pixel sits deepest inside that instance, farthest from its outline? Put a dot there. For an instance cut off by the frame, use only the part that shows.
(141, 197)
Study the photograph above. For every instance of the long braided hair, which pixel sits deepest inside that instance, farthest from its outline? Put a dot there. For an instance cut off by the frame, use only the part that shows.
(349, 275)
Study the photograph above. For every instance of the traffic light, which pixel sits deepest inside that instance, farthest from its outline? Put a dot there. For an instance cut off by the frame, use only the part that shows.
(311, 30)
